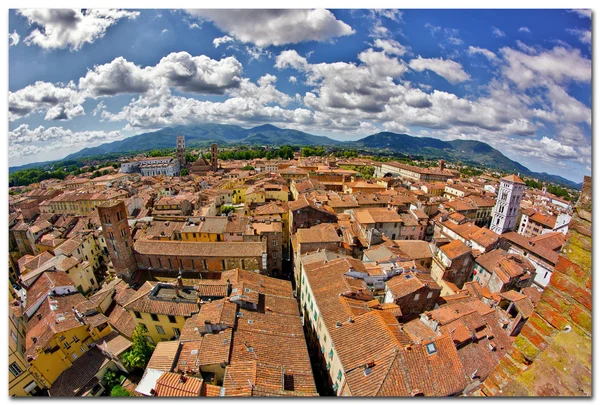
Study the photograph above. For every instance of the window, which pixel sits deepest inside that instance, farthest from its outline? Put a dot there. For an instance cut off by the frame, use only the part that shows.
(123, 232)
(67, 345)
(431, 349)
(154, 317)
(172, 319)
(82, 349)
(340, 375)
(160, 330)
(150, 339)
(14, 337)
(417, 297)
(15, 369)
(429, 294)
(177, 332)
(331, 354)
(75, 339)
(137, 314)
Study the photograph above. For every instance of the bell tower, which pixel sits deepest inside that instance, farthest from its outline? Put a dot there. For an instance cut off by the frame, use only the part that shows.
(181, 151)
(214, 157)
(508, 202)
(117, 234)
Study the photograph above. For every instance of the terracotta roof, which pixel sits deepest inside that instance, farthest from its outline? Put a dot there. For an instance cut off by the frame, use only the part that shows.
(455, 249)
(176, 385)
(548, 221)
(73, 380)
(513, 179)
(215, 348)
(200, 249)
(526, 244)
(164, 355)
(145, 301)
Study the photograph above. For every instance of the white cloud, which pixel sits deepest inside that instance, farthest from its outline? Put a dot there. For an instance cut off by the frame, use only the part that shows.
(276, 27)
(584, 36)
(473, 50)
(448, 69)
(525, 29)
(165, 31)
(187, 73)
(392, 14)
(60, 102)
(24, 141)
(70, 28)
(582, 13)
(559, 65)
(116, 77)
(290, 58)
(526, 48)
(222, 40)
(14, 38)
(497, 32)
(390, 46)
(292, 79)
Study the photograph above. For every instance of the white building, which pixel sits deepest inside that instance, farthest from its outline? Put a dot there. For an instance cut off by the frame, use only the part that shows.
(508, 201)
(153, 166)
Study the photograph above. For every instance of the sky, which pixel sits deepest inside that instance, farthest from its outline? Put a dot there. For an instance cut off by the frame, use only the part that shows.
(519, 80)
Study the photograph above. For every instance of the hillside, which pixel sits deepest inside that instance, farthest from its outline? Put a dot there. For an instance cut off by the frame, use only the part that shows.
(465, 151)
(199, 135)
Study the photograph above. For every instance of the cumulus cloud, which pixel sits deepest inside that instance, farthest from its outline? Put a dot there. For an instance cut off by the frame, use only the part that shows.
(14, 38)
(390, 46)
(448, 69)
(525, 29)
(276, 27)
(449, 36)
(25, 141)
(116, 77)
(558, 65)
(584, 36)
(292, 79)
(60, 102)
(187, 73)
(222, 40)
(497, 32)
(70, 28)
(392, 14)
(473, 50)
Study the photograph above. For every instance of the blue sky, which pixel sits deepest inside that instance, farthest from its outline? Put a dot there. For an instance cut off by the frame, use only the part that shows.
(519, 80)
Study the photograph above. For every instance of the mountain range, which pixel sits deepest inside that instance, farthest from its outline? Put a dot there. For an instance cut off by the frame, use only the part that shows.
(466, 151)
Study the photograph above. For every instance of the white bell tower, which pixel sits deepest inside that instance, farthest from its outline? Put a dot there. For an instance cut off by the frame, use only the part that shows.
(508, 201)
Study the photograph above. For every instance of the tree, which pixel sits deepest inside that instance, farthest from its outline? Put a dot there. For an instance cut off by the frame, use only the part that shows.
(119, 391)
(286, 152)
(226, 209)
(111, 378)
(141, 350)
(248, 167)
(184, 172)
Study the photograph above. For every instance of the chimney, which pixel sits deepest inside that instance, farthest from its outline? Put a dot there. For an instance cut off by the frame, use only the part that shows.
(182, 378)
(180, 282)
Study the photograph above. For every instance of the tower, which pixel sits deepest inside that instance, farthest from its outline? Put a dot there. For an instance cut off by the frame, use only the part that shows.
(214, 157)
(181, 150)
(508, 201)
(117, 234)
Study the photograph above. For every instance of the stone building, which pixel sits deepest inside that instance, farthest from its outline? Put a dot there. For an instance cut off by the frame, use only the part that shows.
(506, 210)
(119, 243)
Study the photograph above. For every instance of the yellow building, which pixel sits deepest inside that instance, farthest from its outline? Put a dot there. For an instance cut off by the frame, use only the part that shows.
(84, 248)
(62, 329)
(163, 308)
(20, 380)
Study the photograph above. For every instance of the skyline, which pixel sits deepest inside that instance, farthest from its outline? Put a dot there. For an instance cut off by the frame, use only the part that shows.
(519, 80)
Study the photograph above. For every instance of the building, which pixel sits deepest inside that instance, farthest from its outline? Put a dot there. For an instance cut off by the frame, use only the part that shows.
(452, 262)
(205, 259)
(415, 173)
(153, 166)
(501, 271)
(181, 151)
(508, 201)
(214, 157)
(21, 382)
(119, 243)
(414, 292)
